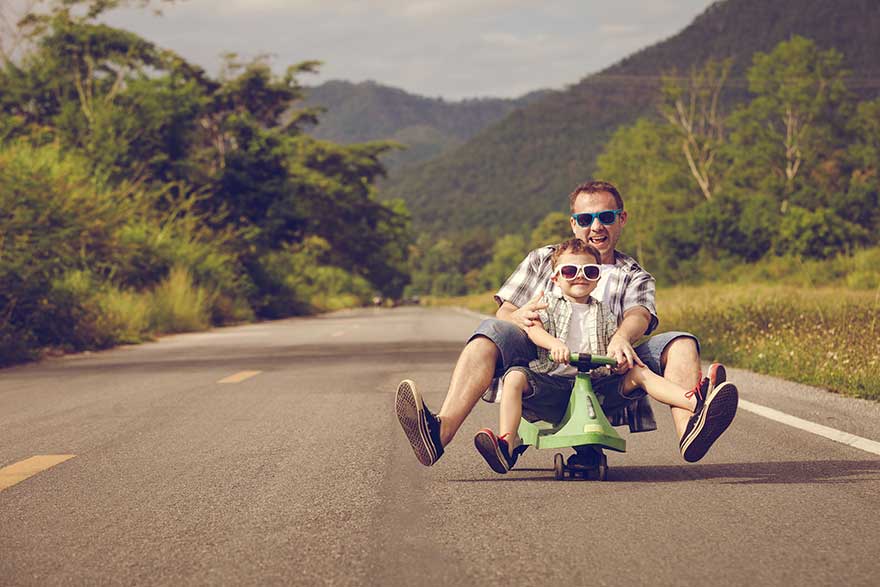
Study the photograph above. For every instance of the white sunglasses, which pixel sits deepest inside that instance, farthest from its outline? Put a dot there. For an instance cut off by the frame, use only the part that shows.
(569, 272)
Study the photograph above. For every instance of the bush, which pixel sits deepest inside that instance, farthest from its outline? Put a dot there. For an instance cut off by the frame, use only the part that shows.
(294, 281)
(81, 265)
(819, 233)
(57, 229)
(153, 248)
(179, 305)
(99, 314)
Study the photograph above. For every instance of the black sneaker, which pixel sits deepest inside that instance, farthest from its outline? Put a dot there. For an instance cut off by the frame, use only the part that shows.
(717, 376)
(421, 426)
(714, 412)
(496, 451)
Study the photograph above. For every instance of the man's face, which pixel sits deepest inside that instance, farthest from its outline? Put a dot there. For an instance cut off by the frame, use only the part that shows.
(602, 236)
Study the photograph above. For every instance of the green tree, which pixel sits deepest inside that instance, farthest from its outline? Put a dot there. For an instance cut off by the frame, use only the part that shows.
(232, 149)
(553, 228)
(644, 162)
(693, 107)
(435, 268)
(507, 253)
(860, 202)
(793, 123)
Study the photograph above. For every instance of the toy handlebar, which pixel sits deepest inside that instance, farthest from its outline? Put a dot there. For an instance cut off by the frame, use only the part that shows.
(586, 361)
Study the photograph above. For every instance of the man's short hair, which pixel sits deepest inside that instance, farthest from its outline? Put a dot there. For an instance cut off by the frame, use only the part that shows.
(594, 187)
(575, 245)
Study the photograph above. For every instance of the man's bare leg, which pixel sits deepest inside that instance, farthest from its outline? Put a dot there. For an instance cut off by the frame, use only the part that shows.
(681, 365)
(472, 375)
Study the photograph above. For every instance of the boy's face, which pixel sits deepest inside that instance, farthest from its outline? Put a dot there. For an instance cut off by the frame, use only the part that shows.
(579, 288)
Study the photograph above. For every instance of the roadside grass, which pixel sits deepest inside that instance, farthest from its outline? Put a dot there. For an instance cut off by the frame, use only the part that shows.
(827, 337)
(123, 317)
(179, 305)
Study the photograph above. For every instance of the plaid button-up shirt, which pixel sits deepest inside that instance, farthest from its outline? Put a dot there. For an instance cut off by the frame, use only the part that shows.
(597, 325)
(628, 284)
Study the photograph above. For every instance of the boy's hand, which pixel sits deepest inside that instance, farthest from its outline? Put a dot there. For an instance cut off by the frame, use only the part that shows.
(559, 352)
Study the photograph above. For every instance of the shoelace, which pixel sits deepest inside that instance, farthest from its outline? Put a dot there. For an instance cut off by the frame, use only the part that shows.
(696, 390)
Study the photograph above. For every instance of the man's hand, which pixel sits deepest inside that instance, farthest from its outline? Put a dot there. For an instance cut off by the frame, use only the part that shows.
(621, 349)
(559, 352)
(527, 315)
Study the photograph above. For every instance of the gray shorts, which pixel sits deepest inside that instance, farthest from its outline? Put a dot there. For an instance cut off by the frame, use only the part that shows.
(547, 396)
(517, 350)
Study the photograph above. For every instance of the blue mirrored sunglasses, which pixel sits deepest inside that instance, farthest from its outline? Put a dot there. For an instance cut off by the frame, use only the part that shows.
(585, 219)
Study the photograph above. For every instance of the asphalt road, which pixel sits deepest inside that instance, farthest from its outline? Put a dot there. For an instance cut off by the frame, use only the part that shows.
(300, 475)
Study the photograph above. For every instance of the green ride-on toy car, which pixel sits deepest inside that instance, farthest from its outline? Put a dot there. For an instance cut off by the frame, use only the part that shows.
(584, 427)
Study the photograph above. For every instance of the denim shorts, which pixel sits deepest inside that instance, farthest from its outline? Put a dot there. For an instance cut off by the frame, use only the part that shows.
(517, 350)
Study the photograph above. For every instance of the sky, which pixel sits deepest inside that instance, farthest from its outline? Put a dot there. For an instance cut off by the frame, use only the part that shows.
(452, 49)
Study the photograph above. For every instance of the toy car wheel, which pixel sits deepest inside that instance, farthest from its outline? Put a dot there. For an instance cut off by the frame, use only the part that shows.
(559, 467)
(603, 468)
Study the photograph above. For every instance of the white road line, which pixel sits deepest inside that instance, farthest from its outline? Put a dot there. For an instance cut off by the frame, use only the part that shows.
(830, 433)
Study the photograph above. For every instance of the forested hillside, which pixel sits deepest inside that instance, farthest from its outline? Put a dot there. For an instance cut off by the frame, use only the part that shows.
(512, 174)
(426, 127)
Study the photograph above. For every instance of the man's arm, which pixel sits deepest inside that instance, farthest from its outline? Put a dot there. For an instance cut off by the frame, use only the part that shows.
(634, 324)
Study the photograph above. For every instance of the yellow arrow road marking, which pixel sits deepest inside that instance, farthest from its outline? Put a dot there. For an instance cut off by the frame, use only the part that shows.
(18, 472)
(239, 377)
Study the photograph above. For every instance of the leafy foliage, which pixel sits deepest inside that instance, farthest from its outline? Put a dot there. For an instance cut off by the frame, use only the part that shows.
(129, 179)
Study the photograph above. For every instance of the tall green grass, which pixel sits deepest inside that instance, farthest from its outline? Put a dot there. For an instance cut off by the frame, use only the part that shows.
(829, 337)
(179, 305)
(102, 314)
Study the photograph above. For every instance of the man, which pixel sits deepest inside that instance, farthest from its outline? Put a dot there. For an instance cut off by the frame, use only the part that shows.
(597, 218)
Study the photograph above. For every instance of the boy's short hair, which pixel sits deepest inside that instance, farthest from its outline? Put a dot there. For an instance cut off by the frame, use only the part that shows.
(575, 245)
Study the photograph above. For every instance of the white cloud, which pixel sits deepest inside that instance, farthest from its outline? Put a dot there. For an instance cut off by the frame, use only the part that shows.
(456, 8)
(620, 29)
(450, 48)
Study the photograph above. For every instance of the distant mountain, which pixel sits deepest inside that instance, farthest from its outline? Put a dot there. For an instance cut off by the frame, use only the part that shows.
(427, 126)
(516, 171)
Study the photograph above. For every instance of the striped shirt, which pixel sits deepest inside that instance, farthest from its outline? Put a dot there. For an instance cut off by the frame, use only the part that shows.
(597, 325)
(628, 284)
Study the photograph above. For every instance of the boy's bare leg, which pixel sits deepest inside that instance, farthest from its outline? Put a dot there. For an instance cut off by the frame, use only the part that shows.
(681, 363)
(472, 375)
(515, 383)
(662, 390)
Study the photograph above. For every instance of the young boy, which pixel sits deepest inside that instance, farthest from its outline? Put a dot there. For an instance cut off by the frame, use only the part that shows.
(575, 321)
